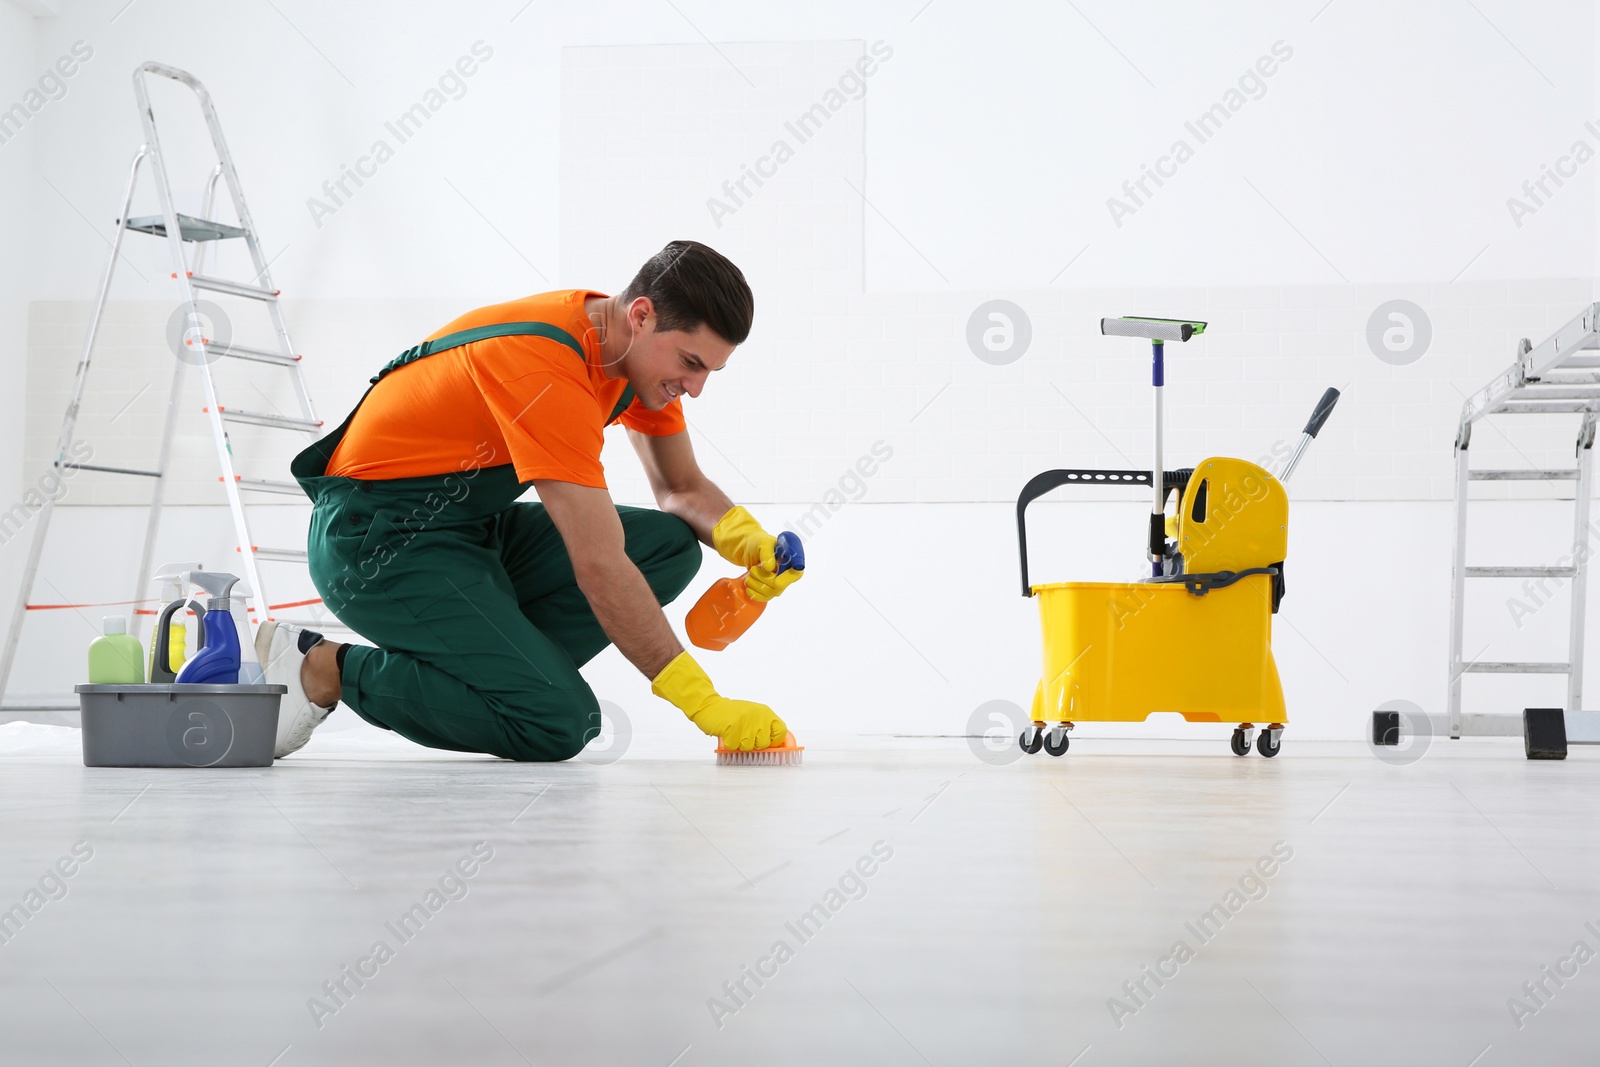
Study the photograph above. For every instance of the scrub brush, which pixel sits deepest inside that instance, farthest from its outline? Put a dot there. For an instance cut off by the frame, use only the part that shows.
(784, 755)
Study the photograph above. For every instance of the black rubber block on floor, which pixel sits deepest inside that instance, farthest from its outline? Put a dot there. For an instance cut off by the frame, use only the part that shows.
(1386, 728)
(1544, 732)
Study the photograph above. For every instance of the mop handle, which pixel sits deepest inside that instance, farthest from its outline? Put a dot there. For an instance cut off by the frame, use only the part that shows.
(1158, 488)
(1319, 416)
(1157, 331)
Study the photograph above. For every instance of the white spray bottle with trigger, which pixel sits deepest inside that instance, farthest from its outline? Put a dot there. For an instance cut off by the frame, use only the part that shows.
(170, 576)
(250, 670)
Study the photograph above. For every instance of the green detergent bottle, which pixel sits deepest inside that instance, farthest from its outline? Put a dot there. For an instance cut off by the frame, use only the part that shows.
(115, 658)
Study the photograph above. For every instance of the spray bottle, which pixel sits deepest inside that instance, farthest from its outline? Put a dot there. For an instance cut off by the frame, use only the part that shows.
(250, 670)
(170, 575)
(725, 612)
(217, 662)
(171, 649)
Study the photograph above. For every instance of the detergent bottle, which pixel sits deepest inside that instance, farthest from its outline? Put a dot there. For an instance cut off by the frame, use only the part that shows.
(217, 662)
(169, 648)
(115, 657)
(176, 640)
(725, 612)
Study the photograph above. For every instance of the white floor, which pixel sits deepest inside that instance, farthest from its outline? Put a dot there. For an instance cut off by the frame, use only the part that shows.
(1006, 906)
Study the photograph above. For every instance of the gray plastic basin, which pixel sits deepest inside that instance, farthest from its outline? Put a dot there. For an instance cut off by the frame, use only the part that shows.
(179, 725)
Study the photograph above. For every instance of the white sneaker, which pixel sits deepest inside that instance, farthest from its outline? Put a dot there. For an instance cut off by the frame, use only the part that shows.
(282, 649)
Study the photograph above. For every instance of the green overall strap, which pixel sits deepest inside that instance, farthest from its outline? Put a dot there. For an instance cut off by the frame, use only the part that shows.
(481, 333)
(622, 404)
(499, 329)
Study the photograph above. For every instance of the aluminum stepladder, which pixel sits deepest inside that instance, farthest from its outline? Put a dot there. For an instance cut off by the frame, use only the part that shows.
(1561, 375)
(180, 230)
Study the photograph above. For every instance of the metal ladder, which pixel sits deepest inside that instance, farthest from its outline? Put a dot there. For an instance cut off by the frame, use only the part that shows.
(1561, 375)
(180, 230)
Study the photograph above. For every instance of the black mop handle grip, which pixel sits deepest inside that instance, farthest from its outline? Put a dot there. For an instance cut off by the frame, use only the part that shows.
(1323, 410)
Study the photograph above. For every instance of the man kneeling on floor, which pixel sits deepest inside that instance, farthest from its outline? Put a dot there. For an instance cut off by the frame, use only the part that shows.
(483, 608)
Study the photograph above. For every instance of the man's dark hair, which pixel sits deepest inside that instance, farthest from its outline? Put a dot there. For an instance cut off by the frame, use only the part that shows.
(692, 284)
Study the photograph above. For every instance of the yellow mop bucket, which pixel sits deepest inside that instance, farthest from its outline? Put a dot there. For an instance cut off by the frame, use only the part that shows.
(1196, 636)
(1116, 652)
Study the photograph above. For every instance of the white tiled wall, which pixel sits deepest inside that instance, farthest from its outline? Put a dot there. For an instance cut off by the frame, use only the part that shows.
(752, 148)
(16, 178)
(825, 376)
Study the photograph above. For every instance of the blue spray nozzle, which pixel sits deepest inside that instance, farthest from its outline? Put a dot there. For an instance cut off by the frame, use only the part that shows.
(790, 552)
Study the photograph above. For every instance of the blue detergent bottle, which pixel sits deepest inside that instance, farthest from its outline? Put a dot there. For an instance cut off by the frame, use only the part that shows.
(217, 662)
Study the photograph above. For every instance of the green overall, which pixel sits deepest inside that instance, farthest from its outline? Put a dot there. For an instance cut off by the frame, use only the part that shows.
(469, 596)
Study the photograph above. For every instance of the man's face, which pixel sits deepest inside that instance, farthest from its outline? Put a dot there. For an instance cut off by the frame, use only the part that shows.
(665, 365)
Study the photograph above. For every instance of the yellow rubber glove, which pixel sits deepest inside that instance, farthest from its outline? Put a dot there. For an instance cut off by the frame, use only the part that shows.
(739, 724)
(739, 539)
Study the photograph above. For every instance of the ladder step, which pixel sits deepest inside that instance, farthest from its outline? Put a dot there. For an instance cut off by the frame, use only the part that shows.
(1545, 407)
(1589, 378)
(1543, 390)
(281, 555)
(112, 470)
(255, 355)
(189, 228)
(223, 285)
(1484, 667)
(1522, 572)
(1523, 476)
(266, 485)
(280, 422)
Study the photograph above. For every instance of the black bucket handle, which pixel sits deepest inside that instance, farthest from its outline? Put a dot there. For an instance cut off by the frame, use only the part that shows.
(1040, 484)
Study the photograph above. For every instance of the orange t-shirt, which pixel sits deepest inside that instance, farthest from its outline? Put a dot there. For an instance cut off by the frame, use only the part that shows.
(527, 401)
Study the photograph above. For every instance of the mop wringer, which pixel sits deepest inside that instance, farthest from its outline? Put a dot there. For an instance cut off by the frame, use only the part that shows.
(1195, 637)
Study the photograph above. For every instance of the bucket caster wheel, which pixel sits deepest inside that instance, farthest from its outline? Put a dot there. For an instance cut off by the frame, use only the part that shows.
(1031, 740)
(1240, 742)
(1056, 741)
(1267, 742)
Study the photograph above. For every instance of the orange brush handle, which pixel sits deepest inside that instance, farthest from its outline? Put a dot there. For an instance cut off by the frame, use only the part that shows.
(789, 745)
